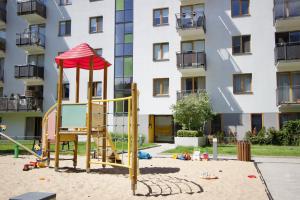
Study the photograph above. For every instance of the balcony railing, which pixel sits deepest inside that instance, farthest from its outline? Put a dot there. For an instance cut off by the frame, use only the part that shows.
(183, 93)
(29, 38)
(19, 104)
(286, 8)
(29, 71)
(191, 59)
(287, 51)
(191, 20)
(31, 7)
(288, 95)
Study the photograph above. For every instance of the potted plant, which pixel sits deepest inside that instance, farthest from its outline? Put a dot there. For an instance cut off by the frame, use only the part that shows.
(192, 113)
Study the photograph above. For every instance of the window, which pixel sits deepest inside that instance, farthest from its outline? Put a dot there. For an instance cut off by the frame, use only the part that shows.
(64, 28)
(160, 16)
(161, 87)
(285, 117)
(37, 60)
(99, 51)
(96, 24)
(65, 2)
(241, 44)
(242, 83)
(66, 91)
(161, 51)
(256, 123)
(97, 89)
(193, 46)
(239, 7)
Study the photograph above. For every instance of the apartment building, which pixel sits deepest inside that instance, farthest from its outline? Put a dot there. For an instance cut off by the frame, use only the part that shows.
(244, 54)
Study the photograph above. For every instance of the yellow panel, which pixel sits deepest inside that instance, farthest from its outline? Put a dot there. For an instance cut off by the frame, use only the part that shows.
(151, 129)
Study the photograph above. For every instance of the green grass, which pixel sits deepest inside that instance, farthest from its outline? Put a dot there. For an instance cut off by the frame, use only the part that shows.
(8, 147)
(256, 150)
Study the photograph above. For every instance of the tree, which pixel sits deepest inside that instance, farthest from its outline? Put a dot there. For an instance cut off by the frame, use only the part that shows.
(193, 111)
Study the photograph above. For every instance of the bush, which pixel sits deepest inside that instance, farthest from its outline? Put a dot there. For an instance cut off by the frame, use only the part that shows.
(291, 132)
(187, 133)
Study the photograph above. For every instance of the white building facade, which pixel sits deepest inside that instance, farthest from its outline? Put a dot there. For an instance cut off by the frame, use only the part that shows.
(244, 54)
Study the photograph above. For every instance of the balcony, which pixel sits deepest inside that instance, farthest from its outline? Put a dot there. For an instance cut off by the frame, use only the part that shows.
(31, 41)
(33, 11)
(2, 47)
(287, 56)
(1, 76)
(183, 93)
(191, 25)
(21, 104)
(31, 74)
(288, 96)
(286, 15)
(191, 2)
(2, 17)
(191, 63)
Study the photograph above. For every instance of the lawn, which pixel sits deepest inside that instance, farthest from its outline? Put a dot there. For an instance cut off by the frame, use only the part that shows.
(7, 147)
(256, 150)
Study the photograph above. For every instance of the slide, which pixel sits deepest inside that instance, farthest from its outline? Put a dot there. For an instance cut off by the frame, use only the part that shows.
(19, 144)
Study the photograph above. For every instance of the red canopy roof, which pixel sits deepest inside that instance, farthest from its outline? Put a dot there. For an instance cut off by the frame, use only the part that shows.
(80, 56)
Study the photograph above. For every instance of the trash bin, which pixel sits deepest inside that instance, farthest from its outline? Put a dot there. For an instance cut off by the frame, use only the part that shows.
(244, 151)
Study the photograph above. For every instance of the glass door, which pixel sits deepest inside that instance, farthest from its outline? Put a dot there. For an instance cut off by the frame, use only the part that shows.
(296, 87)
(283, 90)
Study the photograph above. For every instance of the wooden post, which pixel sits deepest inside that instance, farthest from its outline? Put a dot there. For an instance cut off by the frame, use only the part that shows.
(58, 116)
(89, 116)
(135, 137)
(104, 116)
(77, 101)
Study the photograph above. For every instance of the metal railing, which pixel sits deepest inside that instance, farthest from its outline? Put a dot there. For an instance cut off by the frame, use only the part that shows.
(287, 51)
(30, 38)
(288, 95)
(32, 6)
(183, 93)
(191, 59)
(191, 20)
(2, 44)
(29, 71)
(21, 103)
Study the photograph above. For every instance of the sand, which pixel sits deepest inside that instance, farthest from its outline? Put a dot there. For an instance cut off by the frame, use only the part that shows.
(160, 178)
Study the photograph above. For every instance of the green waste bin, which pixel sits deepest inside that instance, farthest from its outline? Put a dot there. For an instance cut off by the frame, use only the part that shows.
(17, 151)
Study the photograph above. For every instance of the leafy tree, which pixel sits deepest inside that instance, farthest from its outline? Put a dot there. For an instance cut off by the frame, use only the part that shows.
(193, 111)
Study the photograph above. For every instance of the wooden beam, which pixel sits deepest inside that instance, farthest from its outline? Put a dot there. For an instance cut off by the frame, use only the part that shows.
(58, 115)
(104, 116)
(76, 101)
(135, 137)
(89, 116)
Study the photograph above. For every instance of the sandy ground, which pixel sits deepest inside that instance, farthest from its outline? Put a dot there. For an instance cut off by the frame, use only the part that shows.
(160, 178)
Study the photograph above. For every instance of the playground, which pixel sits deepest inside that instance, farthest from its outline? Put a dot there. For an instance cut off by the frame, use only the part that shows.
(110, 168)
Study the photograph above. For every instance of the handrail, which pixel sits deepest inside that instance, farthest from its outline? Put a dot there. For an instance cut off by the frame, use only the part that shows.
(195, 20)
(19, 144)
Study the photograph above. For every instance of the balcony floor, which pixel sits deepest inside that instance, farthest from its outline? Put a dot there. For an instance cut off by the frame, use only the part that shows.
(33, 49)
(33, 18)
(287, 24)
(32, 81)
(192, 33)
(289, 107)
(191, 71)
(288, 65)
(2, 54)
(191, 2)
(2, 24)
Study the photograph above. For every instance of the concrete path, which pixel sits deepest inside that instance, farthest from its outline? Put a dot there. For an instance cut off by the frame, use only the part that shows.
(282, 176)
(155, 152)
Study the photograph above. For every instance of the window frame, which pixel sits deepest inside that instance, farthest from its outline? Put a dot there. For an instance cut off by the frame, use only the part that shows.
(161, 87)
(94, 89)
(240, 9)
(59, 28)
(161, 52)
(161, 23)
(98, 29)
(242, 84)
(241, 45)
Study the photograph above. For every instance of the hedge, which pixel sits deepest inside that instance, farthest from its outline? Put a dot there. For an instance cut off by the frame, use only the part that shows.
(189, 133)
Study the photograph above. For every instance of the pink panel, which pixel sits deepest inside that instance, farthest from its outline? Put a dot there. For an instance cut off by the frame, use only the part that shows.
(51, 125)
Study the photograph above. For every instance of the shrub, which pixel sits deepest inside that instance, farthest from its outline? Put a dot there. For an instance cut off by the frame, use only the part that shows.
(291, 132)
(188, 133)
(193, 111)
